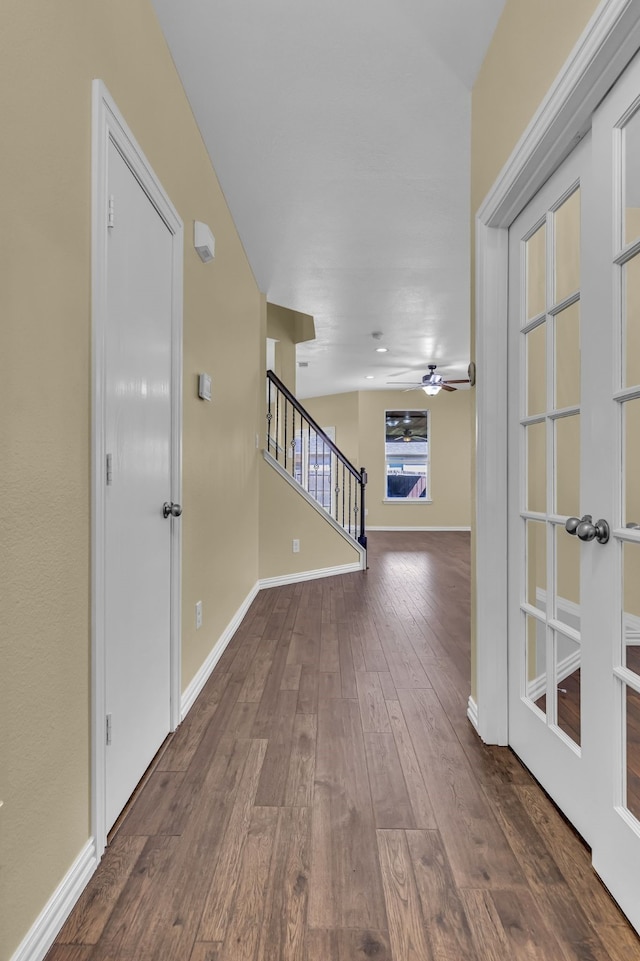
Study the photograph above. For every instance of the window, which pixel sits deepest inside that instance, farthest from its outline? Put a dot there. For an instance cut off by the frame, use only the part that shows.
(406, 449)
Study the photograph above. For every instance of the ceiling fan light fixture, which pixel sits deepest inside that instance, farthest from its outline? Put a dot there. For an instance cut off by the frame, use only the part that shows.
(432, 389)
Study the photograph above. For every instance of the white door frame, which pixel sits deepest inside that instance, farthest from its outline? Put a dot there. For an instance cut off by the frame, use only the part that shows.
(109, 124)
(606, 46)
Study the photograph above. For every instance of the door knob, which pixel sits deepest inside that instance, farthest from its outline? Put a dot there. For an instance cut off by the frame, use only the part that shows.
(587, 530)
(171, 510)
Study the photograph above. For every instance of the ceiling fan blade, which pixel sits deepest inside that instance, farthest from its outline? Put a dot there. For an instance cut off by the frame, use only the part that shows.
(456, 382)
(446, 387)
(402, 383)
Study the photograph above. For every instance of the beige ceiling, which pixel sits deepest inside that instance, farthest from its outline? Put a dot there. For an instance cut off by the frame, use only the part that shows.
(340, 133)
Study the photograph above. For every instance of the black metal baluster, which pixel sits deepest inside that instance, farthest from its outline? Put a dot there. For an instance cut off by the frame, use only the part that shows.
(286, 408)
(363, 483)
(269, 416)
(277, 437)
(293, 442)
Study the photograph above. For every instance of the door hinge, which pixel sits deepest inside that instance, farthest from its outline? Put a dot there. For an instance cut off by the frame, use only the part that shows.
(109, 470)
(108, 729)
(111, 217)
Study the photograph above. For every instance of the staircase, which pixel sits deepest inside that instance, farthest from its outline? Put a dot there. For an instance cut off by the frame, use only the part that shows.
(313, 462)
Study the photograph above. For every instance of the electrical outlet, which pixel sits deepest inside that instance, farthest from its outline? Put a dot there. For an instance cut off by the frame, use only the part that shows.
(198, 615)
(296, 546)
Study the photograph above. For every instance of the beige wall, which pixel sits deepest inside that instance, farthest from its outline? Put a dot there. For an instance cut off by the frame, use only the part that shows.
(285, 515)
(449, 451)
(342, 412)
(359, 423)
(288, 328)
(50, 52)
(530, 45)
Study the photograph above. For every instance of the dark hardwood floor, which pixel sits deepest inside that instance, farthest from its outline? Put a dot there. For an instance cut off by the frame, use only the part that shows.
(326, 799)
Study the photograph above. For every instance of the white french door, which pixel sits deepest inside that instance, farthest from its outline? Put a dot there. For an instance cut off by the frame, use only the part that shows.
(574, 496)
(613, 354)
(546, 415)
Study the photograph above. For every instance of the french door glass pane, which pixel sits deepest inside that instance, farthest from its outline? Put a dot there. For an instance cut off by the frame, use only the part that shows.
(536, 273)
(633, 750)
(631, 604)
(567, 247)
(536, 371)
(536, 565)
(536, 497)
(631, 460)
(567, 349)
(631, 200)
(567, 578)
(567, 653)
(631, 321)
(568, 465)
(536, 661)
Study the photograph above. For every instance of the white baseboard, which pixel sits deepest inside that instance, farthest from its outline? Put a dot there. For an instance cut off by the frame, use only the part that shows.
(296, 578)
(57, 909)
(370, 528)
(566, 667)
(195, 686)
(472, 713)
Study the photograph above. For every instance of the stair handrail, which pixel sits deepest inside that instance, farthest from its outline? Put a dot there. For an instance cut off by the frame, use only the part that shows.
(293, 400)
(360, 476)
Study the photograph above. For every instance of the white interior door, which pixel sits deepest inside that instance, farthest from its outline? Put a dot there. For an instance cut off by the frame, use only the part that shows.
(546, 415)
(138, 444)
(574, 389)
(612, 313)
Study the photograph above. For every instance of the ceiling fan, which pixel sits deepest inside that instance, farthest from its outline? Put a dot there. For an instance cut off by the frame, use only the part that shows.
(433, 383)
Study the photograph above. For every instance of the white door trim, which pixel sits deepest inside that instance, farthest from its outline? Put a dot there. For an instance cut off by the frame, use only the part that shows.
(108, 124)
(607, 44)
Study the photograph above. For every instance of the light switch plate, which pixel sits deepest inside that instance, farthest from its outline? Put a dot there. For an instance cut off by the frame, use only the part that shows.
(204, 386)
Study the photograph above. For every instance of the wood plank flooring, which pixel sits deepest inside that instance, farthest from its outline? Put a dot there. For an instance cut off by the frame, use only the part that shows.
(326, 799)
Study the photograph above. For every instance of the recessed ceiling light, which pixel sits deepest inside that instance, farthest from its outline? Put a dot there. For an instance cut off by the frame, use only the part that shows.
(368, 376)
(381, 350)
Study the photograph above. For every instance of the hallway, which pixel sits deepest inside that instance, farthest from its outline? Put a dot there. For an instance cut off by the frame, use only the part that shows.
(327, 799)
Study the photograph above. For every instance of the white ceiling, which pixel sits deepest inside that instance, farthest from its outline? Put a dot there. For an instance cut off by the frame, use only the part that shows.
(340, 133)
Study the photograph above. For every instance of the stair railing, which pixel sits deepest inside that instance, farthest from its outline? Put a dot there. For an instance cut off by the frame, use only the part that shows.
(300, 446)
